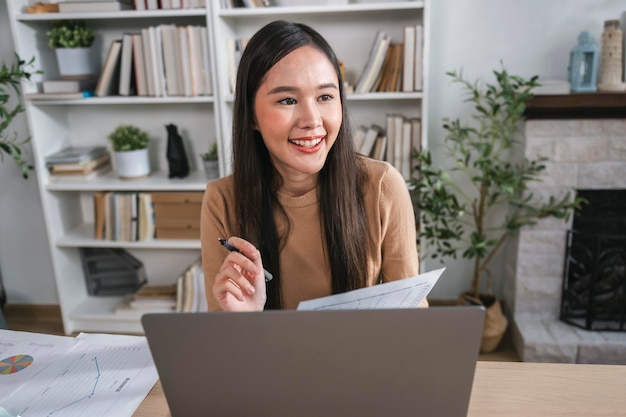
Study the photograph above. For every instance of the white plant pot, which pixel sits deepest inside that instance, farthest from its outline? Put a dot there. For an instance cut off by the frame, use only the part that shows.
(75, 61)
(132, 164)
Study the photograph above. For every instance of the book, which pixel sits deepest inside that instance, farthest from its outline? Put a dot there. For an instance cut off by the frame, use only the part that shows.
(126, 65)
(183, 59)
(81, 167)
(359, 136)
(206, 66)
(172, 76)
(416, 139)
(146, 216)
(58, 96)
(93, 6)
(418, 58)
(148, 62)
(408, 72)
(380, 147)
(374, 63)
(100, 172)
(69, 86)
(370, 139)
(396, 69)
(99, 214)
(195, 61)
(75, 155)
(139, 65)
(110, 70)
(405, 166)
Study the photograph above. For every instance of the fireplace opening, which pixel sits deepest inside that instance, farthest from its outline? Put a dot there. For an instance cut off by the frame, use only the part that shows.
(594, 281)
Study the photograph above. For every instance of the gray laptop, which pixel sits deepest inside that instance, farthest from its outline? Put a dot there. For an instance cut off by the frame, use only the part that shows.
(361, 363)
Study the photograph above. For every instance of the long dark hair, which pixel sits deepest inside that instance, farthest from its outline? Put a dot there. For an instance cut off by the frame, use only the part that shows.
(256, 181)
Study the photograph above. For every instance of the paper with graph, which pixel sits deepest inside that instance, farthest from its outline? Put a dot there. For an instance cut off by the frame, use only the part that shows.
(101, 375)
(403, 293)
(24, 354)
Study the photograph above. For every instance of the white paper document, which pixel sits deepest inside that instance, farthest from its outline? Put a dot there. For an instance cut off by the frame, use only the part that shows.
(100, 375)
(23, 355)
(403, 293)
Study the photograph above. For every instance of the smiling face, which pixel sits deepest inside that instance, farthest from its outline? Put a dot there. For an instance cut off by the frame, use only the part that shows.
(298, 113)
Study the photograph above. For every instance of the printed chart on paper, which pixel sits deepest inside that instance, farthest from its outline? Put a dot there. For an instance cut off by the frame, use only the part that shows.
(92, 379)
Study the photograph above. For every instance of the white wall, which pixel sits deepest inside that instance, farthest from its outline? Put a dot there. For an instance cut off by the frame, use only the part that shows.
(25, 261)
(531, 37)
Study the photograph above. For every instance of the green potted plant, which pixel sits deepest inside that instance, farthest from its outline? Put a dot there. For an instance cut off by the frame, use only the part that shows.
(10, 78)
(72, 41)
(210, 160)
(473, 207)
(130, 151)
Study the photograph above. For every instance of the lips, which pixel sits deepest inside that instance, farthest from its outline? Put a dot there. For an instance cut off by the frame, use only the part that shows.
(309, 144)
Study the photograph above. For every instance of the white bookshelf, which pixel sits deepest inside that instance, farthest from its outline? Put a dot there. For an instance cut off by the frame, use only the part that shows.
(68, 207)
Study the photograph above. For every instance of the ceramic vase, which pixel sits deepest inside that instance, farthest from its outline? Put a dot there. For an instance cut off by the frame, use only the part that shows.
(132, 164)
(74, 62)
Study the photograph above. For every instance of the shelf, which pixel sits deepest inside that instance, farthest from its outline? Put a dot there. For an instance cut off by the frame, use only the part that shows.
(158, 181)
(97, 314)
(82, 236)
(577, 106)
(242, 12)
(114, 100)
(124, 14)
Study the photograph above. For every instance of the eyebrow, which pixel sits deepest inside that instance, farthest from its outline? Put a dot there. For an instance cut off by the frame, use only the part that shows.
(288, 89)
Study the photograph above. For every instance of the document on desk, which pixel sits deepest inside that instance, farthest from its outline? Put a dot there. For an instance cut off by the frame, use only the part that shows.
(100, 375)
(24, 354)
(403, 293)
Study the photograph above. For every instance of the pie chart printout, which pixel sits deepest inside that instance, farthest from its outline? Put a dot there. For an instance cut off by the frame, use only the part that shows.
(14, 364)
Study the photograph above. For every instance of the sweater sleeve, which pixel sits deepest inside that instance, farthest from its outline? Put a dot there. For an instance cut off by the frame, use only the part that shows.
(398, 234)
(214, 223)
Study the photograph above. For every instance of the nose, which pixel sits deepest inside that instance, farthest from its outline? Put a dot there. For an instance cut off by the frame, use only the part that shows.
(309, 116)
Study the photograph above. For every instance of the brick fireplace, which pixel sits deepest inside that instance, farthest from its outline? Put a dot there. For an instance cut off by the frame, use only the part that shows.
(583, 154)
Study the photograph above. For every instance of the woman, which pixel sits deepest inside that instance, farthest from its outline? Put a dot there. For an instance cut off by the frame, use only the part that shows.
(300, 203)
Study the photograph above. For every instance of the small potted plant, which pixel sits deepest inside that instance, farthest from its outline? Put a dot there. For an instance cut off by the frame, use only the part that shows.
(130, 151)
(211, 163)
(72, 42)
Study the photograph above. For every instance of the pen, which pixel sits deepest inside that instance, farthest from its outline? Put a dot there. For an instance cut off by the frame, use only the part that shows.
(224, 242)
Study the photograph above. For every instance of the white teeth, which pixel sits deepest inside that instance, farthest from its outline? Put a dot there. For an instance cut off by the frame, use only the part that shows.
(307, 143)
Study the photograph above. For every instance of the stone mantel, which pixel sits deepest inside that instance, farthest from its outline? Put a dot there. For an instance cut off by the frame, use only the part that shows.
(577, 106)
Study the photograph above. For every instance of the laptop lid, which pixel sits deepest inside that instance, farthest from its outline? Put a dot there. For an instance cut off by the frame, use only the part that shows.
(290, 363)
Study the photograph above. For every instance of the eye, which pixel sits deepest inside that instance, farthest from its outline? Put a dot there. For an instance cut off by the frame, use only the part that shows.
(326, 97)
(289, 101)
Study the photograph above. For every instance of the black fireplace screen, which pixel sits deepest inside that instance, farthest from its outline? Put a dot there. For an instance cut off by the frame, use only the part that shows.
(594, 282)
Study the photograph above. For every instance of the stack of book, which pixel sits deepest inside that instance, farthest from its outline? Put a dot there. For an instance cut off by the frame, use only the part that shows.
(394, 66)
(78, 163)
(148, 299)
(73, 6)
(123, 216)
(159, 61)
(65, 88)
(395, 143)
(190, 293)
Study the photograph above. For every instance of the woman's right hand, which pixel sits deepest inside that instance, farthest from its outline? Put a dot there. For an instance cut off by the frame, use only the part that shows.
(240, 283)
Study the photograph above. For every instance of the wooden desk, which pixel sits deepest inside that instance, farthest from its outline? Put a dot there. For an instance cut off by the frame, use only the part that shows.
(504, 389)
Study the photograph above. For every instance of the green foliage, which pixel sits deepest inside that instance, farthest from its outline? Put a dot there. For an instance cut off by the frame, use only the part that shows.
(459, 219)
(128, 138)
(211, 155)
(10, 79)
(70, 34)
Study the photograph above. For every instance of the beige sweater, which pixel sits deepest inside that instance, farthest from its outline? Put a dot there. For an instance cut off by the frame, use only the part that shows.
(305, 272)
